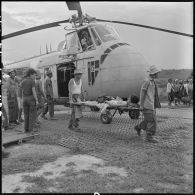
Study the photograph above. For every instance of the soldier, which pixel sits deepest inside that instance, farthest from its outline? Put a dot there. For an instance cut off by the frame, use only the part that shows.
(5, 123)
(40, 96)
(75, 92)
(176, 91)
(170, 92)
(149, 101)
(49, 97)
(20, 119)
(29, 100)
(12, 100)
(190, 89)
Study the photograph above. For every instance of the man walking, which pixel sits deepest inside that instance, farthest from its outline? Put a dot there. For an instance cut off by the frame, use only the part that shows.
(20, 119)
(12, 100)
(149, 101)
(29, 99)
(170, 92)
(40, 95)
(49, 97)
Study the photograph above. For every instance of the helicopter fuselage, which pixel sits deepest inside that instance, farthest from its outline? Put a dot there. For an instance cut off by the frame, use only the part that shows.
(110, 66)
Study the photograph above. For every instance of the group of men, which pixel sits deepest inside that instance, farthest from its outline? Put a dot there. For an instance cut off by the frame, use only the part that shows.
(27, 94)
(32, 100)
(179, 91)
(20, 98)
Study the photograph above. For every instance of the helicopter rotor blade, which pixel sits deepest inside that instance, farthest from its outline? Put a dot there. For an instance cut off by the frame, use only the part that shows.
(36, 28)
(144, 26)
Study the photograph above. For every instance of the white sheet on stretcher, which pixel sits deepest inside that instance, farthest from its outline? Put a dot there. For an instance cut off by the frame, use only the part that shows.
(103, 106)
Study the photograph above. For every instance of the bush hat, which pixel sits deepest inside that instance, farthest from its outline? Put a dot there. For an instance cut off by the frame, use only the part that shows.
(153, 70)
(78, 71)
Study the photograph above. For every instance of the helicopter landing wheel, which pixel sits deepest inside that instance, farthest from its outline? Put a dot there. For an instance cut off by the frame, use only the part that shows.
(106, 118)
(134, 114)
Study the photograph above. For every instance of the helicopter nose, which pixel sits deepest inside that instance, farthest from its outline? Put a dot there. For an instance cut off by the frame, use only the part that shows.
(123, 72)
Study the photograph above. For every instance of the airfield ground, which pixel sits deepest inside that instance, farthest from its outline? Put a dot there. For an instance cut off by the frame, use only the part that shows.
(104, 158)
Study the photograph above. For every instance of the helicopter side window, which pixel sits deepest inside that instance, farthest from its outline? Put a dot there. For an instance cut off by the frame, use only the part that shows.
(106, 33)
(85, 39)
(96, 38)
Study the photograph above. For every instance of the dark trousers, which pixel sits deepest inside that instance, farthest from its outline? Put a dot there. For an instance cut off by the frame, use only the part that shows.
(170, 98)
(29, 106)
(74, 122)
(20, 114)
(40, 107)
(149, 123)
(49, 107)
(13, 109)
(5, 123)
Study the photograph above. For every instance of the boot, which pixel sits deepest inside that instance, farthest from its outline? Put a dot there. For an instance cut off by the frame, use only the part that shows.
(52, 118)
(20, 116)
(43, 116)
(138, 130)
(16, 122)
(151, 139)
(76, 128)
(77, 122)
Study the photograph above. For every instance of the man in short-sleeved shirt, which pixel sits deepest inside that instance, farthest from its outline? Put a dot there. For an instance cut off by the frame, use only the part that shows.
(149, 88)
(49, 97)
(29, 99)
(27, 86)
(149, 101)
(12, 100)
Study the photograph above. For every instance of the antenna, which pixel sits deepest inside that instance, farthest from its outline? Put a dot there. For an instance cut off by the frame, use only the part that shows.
(46, 49)
(50, 48)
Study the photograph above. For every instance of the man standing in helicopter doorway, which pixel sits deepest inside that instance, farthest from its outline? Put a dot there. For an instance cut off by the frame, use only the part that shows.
(48, 87)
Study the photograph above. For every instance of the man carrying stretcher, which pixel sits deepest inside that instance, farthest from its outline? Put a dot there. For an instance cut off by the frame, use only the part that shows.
(76, 93)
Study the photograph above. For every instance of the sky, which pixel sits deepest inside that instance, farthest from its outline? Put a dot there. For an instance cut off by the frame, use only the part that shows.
(167, 51)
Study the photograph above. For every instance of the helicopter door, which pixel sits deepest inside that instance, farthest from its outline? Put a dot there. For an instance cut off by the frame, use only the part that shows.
(64, 73)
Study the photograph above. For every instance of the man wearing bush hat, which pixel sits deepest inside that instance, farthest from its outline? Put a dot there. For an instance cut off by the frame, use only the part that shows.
(75, 93)
(149, 101)
(12, 100)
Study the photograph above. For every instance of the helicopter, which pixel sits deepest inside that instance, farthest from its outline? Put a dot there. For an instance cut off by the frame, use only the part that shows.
(110, 66)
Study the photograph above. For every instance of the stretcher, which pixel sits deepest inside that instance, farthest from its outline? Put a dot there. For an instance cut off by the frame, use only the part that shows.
(106, 115)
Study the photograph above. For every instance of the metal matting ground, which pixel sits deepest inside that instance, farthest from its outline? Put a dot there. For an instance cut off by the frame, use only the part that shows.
(96, 137)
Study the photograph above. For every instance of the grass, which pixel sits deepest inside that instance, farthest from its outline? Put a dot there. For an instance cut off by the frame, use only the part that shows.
(149, 167)
(25, 163)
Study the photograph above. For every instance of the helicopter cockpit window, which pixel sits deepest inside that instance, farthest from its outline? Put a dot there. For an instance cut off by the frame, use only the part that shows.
(85, 39)
(96, 38)
(106, 33)
(72, 43)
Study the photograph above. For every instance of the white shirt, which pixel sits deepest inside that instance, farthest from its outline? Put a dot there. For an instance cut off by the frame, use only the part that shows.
(149, 88)
(186, 87)
(76, 89)
(169, 87)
